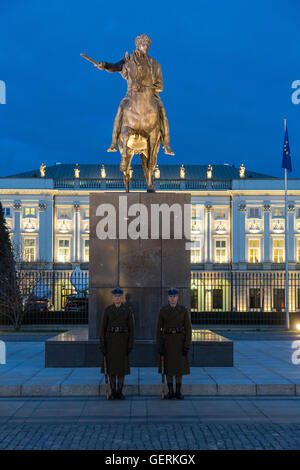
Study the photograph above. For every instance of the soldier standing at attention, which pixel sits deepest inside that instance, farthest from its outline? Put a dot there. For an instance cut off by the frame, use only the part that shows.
(116, 337)
(174, 336)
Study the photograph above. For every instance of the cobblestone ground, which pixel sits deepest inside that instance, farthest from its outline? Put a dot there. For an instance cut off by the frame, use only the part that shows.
(179, 436)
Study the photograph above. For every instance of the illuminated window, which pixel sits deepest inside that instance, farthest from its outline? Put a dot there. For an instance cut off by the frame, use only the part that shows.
(64, 213)
(6, 212)
(298, 250)
(29, 250)
(64, 251)
(195, 225)
(195, 250)
(278, 251)
(220, 214)
(254, 213)
(279, 299)
(86, 213)
(195, 222)
(217, 299)
(86, 250)
(254, 251)
(254, 298)
(29, 212)
(278, 212)
(195, 212)
(220, 251)
(195, 255)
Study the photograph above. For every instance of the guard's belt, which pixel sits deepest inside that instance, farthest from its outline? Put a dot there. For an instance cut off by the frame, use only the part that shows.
(174, 330)
(117, 329)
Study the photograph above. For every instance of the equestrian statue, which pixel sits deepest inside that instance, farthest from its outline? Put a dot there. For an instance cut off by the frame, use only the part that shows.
(141, 123)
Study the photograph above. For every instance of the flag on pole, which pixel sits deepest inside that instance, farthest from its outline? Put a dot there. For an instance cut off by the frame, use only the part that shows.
(286, 157)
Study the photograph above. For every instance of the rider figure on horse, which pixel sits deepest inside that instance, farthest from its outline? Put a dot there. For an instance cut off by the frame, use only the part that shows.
(139, 56)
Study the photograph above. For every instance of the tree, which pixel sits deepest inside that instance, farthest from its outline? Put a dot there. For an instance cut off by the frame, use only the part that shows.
(11, 304)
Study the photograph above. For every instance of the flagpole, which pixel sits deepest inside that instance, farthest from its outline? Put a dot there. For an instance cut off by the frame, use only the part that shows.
(286, 248)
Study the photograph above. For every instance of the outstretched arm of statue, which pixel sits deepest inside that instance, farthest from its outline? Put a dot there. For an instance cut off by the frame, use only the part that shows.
(117, 67)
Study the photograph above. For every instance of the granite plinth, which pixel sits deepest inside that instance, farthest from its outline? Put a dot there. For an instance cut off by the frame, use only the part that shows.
(74, 349)
(145, 268)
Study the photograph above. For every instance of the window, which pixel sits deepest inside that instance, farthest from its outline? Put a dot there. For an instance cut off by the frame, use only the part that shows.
(217, 299)
(195, 249)
(6, 212)
(63, 213)
(279, 299)
(194, 299)
(195, 212)
(298, 250)
(86, 213)
(220, 214)
(86, 254)
(254, 298)
(195, 255)
(64, 251)
(195, 225)
(29, 212)
(220, 251)
(278, 251)
(278, 212)
(29, 250)
(254, 213)
(254, 251)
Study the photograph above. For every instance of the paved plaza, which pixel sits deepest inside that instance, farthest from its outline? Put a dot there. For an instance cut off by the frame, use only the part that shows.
(253, 405)
(261, 367)
(149, 423)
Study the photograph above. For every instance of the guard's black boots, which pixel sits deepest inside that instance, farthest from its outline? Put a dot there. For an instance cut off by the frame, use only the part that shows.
(120, 395)
(178, 394)
(170, 394)
(113, 394)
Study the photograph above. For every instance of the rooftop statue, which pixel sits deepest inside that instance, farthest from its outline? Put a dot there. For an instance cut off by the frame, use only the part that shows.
(141, 123)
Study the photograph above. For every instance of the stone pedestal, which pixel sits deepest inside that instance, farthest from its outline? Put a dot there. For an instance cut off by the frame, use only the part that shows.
(144, 268)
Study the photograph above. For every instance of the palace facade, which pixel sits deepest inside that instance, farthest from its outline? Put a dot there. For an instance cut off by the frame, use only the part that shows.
(238, 222)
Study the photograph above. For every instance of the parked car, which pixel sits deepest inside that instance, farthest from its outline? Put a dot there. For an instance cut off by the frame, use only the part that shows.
(76, 303)
(35, 304)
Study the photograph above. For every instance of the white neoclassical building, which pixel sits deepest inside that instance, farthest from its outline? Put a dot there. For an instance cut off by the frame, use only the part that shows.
(237, 219)
(237, 215)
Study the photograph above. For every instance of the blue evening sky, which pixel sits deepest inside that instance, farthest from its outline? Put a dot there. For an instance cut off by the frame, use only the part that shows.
(228, 67)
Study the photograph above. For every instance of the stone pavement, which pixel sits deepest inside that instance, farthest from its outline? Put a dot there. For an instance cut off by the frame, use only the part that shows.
(150, 423)
(260, 368)
(253, 405)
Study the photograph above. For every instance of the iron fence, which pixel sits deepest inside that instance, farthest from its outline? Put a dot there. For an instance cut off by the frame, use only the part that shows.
(243, 297)
(52, 297)
(227, 297)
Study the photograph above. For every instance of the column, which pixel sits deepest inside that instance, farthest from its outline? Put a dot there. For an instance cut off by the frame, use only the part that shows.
(291, 244)
(242, 234)
(77, 232)
(207, 257)
(235, 232)
(42, 254)
(267, 250)
(17, 238)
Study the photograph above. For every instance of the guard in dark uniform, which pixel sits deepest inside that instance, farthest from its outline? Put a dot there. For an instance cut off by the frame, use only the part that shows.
(116, 337)
(174, 336)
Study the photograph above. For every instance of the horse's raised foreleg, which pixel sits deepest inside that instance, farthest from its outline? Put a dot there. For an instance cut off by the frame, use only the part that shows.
(126, 156)
(124, 149)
